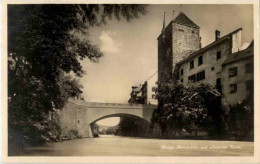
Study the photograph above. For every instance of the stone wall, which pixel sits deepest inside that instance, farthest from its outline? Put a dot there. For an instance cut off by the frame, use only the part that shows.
(165, 53)
(79, 115)
(185, 40)
(148, 112)
(68, 118)
(179, 42)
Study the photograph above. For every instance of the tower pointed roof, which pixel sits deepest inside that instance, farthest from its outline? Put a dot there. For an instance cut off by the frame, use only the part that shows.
(182, 19)
(163, 21)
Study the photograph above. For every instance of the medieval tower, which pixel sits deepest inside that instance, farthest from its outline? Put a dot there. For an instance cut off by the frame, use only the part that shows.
(180, 38)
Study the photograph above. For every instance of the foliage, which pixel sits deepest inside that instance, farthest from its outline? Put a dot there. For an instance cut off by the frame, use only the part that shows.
(130, 127)
(111, 130)
(240, 119)
(44, 48)
(70, 134)
(48, 130)
(191, 108)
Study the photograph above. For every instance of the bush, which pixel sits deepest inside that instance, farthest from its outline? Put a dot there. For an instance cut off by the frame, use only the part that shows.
(190, 109)
(240, 120)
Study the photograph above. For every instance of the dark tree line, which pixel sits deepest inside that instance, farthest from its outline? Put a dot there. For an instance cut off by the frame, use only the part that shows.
(131, 127)
(43, 60)
(199, 108)
(192, 109)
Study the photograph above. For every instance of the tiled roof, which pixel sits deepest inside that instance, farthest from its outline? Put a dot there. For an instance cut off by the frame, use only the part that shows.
(182, 19)
(208, 46)
(248, 52)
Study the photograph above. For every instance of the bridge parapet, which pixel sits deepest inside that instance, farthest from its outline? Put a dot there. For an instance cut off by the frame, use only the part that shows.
(111, 105)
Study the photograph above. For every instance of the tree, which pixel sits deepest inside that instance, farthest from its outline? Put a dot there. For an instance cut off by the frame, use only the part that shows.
(240, 119)
(131, 127)
(191, 108)
(44, 48)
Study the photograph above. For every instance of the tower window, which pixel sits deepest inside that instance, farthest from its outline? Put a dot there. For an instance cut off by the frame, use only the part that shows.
(191, 64)
(218, 55)
(181, 30)
(200, 60)
(193, 32)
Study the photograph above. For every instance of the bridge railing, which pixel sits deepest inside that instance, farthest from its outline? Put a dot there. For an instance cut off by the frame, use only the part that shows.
(119, 105)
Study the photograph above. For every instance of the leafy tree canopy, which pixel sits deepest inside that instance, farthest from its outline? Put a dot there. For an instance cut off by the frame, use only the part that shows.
(191, 108)
(44, 48)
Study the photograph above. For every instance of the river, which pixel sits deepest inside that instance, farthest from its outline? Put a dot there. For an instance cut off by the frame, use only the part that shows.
(108, 145)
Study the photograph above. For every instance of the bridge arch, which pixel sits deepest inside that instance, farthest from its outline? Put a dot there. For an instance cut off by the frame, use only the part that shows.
(79, 115)
(123, 115)
(141, 123)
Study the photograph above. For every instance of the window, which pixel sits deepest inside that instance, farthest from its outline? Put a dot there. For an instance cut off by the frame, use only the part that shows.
(200, 76)
(181, 71)
(154, 96)
(193, 32)
(154, 89)
(181, 30)
(218, 55)
(192, 78)
(200, 60)
(232, 88)
(249, 67)
(249, 85)
(191, 64)
(181, 80)
(233, 72)
(218, 85)
(212, 68)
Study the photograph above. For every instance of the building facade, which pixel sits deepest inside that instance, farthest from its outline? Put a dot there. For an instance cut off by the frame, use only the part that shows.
(145, 93)
(238, 75)
(149, 90)
(181, 57)
(205, 65)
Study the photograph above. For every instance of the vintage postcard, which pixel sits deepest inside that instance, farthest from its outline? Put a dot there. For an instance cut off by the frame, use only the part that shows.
(130, 82)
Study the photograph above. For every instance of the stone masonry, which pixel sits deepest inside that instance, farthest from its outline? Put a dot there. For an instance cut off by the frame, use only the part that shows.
(79, 115)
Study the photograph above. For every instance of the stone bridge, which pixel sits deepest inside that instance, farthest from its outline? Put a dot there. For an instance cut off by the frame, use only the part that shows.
(80, 115)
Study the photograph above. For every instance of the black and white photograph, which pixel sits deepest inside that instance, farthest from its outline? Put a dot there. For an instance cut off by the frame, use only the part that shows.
(129, 80)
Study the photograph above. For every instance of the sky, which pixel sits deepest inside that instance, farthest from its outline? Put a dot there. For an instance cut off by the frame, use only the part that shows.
(130, 49)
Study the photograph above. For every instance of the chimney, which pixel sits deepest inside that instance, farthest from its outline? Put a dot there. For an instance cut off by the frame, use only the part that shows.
(200, 43)
(217, 35)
